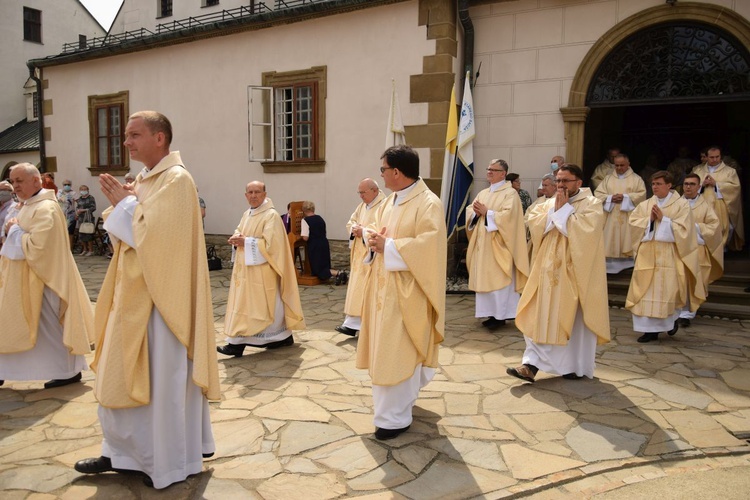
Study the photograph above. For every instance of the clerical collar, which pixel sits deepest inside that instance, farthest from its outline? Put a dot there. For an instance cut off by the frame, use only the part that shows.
(662, 201)
(401, 195)
(253, 210)
(145, 172)
(691, 201)
(622, 176)
(494, 187)
(370, 205)
(712, 169)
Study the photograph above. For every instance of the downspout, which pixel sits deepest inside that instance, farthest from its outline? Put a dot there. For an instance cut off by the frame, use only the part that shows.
(40, 115)
(468, 26)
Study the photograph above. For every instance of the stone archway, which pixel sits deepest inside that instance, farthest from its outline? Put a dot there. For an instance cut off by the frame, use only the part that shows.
(6, 170)
(576, 113)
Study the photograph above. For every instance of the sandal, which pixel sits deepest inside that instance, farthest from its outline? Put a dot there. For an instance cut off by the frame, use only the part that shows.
(523, 372)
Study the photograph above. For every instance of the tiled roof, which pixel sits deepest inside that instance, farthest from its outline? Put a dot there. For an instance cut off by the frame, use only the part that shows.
(23, 136)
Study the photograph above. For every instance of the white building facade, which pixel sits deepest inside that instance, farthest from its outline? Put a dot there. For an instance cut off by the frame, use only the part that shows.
(329, 67)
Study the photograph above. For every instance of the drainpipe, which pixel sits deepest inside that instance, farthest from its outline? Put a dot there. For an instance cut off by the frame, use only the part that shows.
(40, 115)
(468, 26)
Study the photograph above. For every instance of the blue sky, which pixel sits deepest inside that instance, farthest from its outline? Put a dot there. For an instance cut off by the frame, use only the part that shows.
(103, 10)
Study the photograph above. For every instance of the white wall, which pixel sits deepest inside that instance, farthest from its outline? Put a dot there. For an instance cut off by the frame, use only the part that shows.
(202, 88)
(62, 21)
(530, 50)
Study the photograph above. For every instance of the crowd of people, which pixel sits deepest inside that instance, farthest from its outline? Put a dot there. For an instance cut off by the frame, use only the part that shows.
(542, 264)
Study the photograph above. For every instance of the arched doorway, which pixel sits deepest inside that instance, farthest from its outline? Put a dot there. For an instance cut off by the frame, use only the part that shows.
(671, 85)
(666, 77)
(6, 170)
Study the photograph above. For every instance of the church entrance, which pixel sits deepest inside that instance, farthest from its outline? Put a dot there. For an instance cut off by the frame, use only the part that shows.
(670, 86)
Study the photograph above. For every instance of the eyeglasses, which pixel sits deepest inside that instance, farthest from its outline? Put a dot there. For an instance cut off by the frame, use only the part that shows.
(383, 169)
(66, 184)
(495, 170)
(689, 183)
(564, 181)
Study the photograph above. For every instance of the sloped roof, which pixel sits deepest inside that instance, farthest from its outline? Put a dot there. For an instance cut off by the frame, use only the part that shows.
(23, 136)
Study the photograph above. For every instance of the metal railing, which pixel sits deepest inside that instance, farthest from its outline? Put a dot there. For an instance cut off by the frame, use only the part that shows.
(243, 12)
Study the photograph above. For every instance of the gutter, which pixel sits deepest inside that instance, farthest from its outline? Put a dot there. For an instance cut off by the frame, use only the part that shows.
(468, 26)
(40, 114)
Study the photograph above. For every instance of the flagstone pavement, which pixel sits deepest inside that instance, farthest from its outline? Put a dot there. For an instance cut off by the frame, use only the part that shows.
(297, 422)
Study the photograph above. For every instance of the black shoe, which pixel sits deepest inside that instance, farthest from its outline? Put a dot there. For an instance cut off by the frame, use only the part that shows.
(683, 322)
(147, 481)
(94, 465)
(344, 277)
(346, 330)
(2, 382)
(235, 350)
(675, 328)
(648, 337)
(61, 382)
(491, 323)
(571, 376)
(385, 434)
(208, 455)
(281, 343)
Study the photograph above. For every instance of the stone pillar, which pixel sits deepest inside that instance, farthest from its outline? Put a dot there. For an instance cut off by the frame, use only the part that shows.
(575, 124)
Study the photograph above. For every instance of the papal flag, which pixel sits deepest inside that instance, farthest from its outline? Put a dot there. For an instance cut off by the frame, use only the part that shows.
(449, 163)
(464, 173)
(394, 134)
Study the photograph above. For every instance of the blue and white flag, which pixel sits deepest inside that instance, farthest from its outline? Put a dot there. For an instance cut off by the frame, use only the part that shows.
(463, 176)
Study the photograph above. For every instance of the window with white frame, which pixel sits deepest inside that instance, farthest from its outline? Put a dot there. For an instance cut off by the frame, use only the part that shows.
(286, 121)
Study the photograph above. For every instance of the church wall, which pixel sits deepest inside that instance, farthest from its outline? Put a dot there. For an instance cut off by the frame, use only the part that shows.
(529, 52)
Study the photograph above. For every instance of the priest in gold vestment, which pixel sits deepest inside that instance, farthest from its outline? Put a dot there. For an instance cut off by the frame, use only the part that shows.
(721, 188)
(620, 192)
(497, 257)
(708, 234)
(263, 306)
(563, 312)
(48, 322)
(364, 215)
(604, 168)
(667, 275)
(155, 360)
(549, 189)
(403, 316)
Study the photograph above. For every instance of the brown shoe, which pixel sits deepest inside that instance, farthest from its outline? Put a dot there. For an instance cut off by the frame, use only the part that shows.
(523, 372)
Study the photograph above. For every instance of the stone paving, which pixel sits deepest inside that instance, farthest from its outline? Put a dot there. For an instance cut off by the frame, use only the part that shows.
(297, 422)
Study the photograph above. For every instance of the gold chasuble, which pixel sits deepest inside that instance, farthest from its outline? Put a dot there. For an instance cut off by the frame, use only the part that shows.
(47, 262)
(567, 273)
(355, 290)
(529, 242)
(665, 272)
(600, 173)
(617, 239)
(711, 254)
(252, 295)
(167, 269)
(492, 255)
(403, 316)
(729, 207)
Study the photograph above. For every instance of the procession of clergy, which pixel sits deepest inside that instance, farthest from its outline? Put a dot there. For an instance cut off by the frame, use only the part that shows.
(155, 362)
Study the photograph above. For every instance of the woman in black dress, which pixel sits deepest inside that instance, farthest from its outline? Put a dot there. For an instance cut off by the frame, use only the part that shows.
(318, 250)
